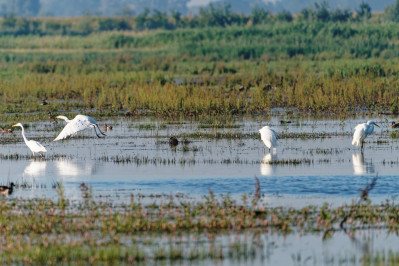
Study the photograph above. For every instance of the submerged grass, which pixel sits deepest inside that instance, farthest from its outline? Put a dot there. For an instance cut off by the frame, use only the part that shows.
(168, 229)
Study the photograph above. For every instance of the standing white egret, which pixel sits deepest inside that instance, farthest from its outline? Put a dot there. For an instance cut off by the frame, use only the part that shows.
(269, 137)
(80, 122)
(33, 145)
(361, 132)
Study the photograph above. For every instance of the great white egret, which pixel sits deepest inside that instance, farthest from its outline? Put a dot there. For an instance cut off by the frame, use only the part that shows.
(268, 136)
(33, 145)
(361, 132)
(80, 122)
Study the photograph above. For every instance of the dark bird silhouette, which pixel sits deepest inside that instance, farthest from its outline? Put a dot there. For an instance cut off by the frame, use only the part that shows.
(5, 190)
(173, 141)
(52, 117)
(284, 122)
(394, 124)
(107, 127)
(5, 130)
(44, 102)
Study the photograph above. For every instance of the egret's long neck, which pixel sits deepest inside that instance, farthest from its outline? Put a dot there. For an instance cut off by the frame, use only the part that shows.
(23, 134)
(64, 117)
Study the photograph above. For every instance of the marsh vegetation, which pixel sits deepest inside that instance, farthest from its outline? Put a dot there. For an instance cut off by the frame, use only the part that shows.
(134, 198)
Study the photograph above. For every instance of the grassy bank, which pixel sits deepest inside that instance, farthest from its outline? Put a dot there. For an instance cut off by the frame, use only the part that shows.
(309, 66)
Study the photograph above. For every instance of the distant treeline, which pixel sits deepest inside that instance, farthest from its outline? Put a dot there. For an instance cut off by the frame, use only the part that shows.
(212, 16)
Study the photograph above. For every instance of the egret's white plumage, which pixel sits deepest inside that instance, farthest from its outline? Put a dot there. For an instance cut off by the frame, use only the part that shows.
(268, 136)
(33, 145)
(362, 131)
(79, 123)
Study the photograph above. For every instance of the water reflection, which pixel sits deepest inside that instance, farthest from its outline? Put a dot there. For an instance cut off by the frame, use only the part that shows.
(35, 169)
(360, 167)
(266, 167)
(75, 168)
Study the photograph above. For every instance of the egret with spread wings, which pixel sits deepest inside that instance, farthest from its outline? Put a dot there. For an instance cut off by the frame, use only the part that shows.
(79, 123)
(33, 145)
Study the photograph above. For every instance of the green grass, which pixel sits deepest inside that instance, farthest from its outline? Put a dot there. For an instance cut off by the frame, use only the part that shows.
(307, 66)
(89, 231)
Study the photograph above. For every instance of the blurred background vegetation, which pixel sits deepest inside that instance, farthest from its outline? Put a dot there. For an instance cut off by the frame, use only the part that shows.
(215, 62)
(214, 15)
(69, 8)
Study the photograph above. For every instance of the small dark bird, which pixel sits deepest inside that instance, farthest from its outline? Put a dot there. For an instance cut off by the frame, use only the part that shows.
(44, 102)
(5, 130)
(7, 190)
(394, 124)
(267, 87)
(173, 141)
(52, 117)
(107, 127)
(284, 122)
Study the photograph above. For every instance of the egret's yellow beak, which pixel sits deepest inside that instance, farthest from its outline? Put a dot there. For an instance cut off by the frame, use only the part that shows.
(15, 125)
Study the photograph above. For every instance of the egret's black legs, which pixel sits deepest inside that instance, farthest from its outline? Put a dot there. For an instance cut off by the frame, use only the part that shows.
(95, 130)
(102, 133)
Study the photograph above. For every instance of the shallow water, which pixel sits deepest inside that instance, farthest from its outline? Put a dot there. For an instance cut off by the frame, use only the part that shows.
(130, 159)
(310, 249)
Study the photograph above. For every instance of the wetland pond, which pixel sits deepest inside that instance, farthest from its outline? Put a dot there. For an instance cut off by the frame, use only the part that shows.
(314, 164)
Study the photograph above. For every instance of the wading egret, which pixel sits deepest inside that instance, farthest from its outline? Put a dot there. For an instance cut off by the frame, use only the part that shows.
(7, 190)
(33, 145)
(269, 137)
(361, 132)
(80, 122)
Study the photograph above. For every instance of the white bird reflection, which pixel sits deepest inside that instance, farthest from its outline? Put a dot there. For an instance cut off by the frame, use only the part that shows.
(266, 167)
(74, 168)
(35, 169)
(359, 166)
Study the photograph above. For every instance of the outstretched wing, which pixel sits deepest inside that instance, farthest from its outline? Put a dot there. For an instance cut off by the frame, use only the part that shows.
(72, 128)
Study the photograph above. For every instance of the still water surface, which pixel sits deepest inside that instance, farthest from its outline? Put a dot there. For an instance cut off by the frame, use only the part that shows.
(134, 160)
